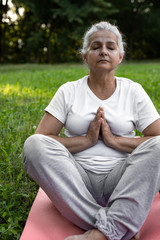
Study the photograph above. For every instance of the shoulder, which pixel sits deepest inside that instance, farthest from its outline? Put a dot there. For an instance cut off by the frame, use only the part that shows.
(134, 90)
(126, 84)
(72, 86)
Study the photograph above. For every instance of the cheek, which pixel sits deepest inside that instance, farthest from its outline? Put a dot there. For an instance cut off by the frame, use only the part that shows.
(89, 58)
(116, 57)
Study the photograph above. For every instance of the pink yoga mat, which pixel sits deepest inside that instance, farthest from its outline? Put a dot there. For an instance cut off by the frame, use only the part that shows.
(46, 223)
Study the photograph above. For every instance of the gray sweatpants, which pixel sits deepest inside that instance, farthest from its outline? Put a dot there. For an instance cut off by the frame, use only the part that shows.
(117, 204)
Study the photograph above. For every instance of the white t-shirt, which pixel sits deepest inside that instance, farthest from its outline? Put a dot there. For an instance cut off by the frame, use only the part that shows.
(129, 108)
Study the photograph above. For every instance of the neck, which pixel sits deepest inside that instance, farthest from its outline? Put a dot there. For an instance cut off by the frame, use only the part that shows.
(102, 85)
(102, 77)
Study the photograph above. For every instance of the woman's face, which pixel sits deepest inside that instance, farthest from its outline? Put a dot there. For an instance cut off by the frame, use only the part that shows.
(103, 51)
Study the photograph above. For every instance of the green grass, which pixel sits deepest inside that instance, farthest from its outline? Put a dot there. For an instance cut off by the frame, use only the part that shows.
(25, 90)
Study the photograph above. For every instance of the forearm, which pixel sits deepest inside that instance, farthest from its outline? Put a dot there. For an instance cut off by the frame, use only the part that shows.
(126, 144)
(50, 126)
(73, 144)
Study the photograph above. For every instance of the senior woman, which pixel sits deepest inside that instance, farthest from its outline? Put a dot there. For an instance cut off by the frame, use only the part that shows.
(99, 176)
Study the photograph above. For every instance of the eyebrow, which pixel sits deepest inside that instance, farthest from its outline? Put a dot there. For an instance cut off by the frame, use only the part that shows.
(109, 42)
(98, 42)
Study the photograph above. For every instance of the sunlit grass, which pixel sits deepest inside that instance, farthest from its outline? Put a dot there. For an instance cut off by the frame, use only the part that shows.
(9, 90)
(25, 90)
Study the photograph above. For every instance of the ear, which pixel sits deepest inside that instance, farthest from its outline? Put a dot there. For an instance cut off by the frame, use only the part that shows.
(84, 56)
(121, 57)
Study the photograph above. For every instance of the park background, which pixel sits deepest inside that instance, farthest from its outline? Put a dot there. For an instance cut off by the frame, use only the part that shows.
(50, 31)
(39, 51)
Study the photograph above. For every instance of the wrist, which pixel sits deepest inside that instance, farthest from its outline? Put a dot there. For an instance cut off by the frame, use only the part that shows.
(89, 141)
(111, 141)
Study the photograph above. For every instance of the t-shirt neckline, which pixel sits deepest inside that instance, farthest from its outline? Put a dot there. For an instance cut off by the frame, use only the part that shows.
(97, 98)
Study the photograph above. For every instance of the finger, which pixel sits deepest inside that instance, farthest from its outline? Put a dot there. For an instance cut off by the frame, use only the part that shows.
(97, 121)
(100, 112)
(137, 236)
(103, 125)
(103, 116)
(98, 115)
(100, 109)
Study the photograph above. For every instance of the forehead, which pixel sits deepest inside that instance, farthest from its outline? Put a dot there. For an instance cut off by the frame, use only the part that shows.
(103, 36)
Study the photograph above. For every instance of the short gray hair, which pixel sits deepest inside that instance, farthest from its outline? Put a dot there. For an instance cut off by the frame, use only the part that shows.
(102, 26)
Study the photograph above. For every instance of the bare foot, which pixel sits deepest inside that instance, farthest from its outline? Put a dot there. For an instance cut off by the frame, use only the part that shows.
(94, 234)
(136, 237)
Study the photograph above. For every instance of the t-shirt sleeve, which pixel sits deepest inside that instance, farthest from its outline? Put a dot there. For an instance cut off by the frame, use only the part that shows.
(146, 112)
(58, 107)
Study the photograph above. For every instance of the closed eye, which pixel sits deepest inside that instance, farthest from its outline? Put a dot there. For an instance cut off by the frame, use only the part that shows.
(96, 47)
(111, 48)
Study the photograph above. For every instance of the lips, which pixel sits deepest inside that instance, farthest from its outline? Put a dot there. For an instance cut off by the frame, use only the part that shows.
(103, 60)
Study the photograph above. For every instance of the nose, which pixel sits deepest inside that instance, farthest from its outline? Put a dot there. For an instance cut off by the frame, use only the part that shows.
(104, 51)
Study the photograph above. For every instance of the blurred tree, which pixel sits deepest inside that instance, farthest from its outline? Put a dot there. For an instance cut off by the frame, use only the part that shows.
(147, 40)
(3, 11)
(138, 19)
(51, 31)
(55, 27)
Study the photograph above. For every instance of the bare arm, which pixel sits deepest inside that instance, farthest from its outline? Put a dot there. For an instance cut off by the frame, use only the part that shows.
(127, 144)
(51, 126)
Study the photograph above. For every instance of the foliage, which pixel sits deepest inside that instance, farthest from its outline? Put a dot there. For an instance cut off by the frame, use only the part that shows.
(3, 11)
(51, 32)
(139, 20)
(25, 90)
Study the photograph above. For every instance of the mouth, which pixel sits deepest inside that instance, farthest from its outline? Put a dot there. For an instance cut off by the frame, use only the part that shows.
(103, 60)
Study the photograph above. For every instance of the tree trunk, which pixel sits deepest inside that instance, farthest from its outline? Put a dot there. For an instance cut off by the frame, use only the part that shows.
(49, 43)
(1, 49)
(3, 9)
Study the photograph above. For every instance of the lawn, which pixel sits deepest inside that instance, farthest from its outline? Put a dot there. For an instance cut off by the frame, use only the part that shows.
(25, 90)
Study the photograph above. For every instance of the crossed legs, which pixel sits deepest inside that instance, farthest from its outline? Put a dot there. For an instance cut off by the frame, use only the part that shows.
(51, 165)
